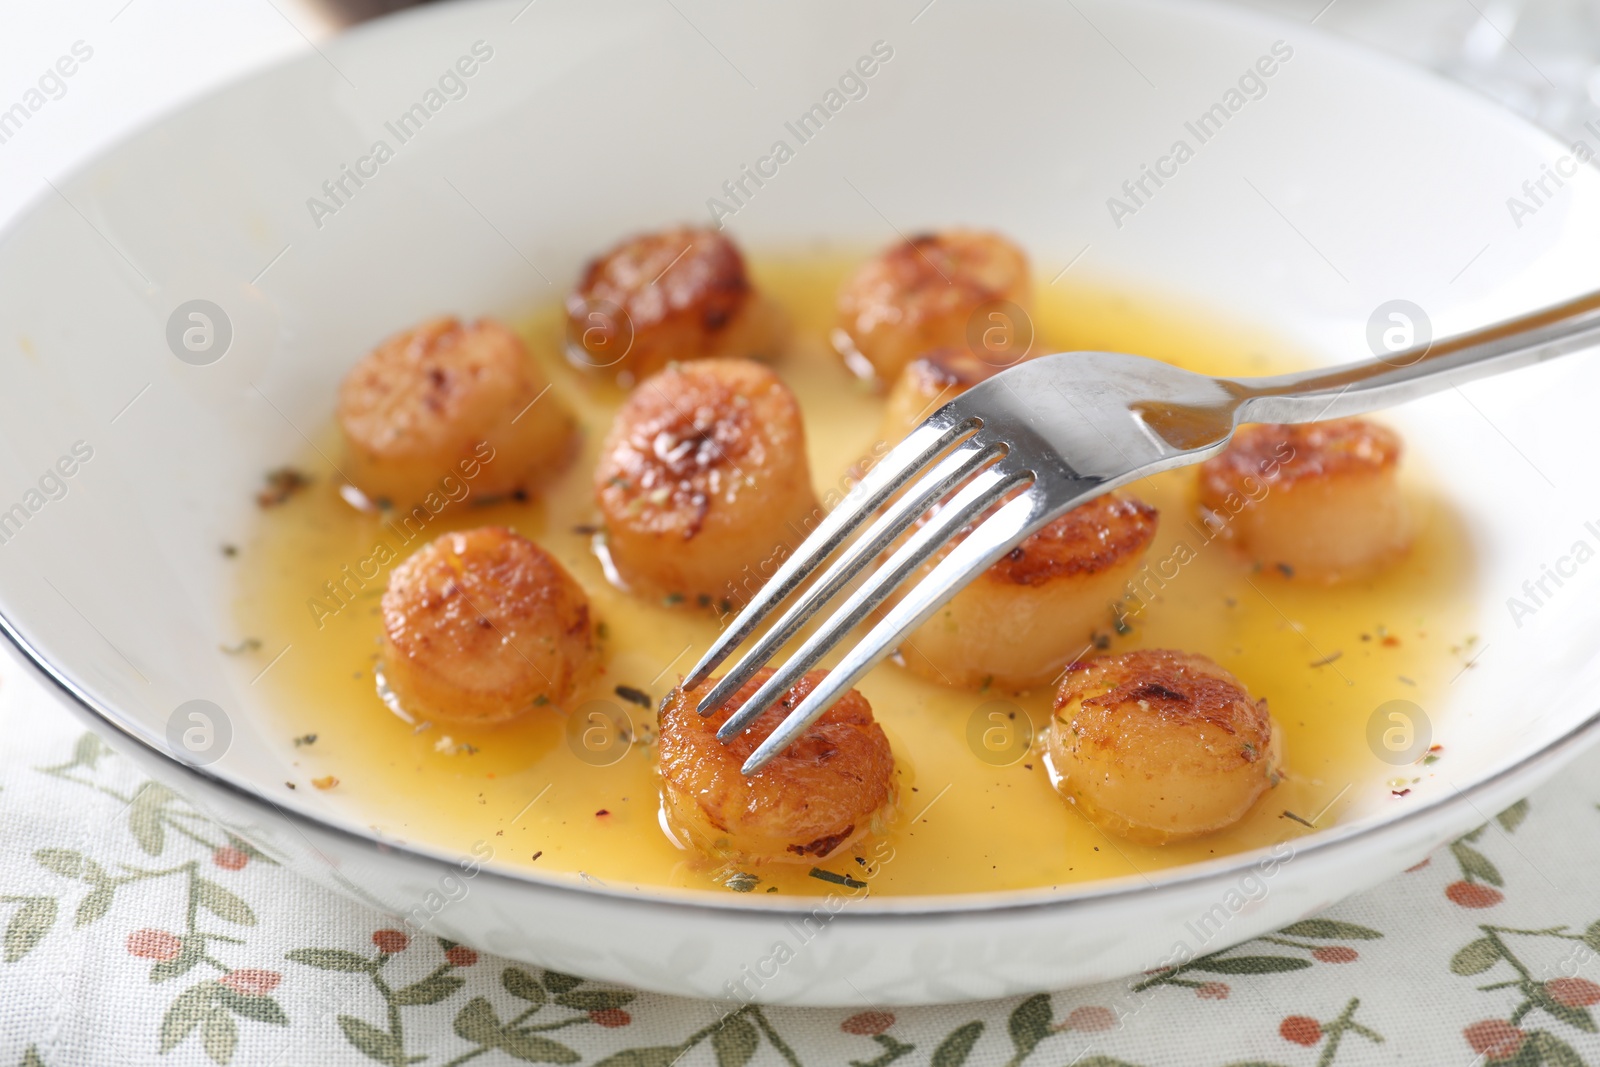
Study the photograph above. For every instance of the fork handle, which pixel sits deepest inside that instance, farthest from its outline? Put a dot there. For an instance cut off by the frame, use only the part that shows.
(1356, 388)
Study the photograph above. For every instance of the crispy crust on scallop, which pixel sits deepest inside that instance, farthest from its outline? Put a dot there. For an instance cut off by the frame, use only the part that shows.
(1287, 453)
(684, 273)
(946, 368)
(813, 796)
(1181, 688)
(941, 273)
(1091, 537)
(684, 438)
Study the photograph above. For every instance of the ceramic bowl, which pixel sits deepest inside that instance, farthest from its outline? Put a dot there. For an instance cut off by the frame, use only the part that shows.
(1335, 184)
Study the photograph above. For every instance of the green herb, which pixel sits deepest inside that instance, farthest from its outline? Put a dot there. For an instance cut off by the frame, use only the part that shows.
(1287, 814)
(671, 599)
(635, 696)
(305, 739)
(1325, 660)
(1122, 625)
(1285, 570)
(602, 631)
(249, 644)
(837, 879)
(741, 882)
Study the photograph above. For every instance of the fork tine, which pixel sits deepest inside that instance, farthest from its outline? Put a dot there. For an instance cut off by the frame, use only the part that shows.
(993, 538)
(881, 482)
(983, 490)
(955, 468)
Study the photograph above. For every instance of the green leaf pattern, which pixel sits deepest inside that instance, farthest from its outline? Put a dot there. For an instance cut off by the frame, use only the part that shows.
(437, 1004)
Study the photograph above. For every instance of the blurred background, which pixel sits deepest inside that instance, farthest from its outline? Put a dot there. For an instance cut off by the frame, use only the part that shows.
(1540, 58)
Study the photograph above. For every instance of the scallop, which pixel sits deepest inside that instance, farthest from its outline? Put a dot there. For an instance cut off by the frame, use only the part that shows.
(483, 626)
(927, 384)
(1018, 624)
(1158, 745)
(665, 297)
(1320, 500)
(829, 788)
(447, 404)
(703, 482)
(936, 290)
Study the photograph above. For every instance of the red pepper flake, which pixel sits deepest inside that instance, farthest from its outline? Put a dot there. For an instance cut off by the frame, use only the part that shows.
(1400, 792)
(1390, 641)
(536, 855)
(601, 813)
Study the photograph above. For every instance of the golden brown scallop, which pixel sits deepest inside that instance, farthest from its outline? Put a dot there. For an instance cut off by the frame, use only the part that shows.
(665, 297)
(1035, 611)
(922, 294)
(927, 384)
(1157, 746)
(1319, 500)
(832, 786)
(451, 400)
(703, 482)
(481, 626)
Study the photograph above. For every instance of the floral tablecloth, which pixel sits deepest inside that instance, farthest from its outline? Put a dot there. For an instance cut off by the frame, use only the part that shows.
(135, 932)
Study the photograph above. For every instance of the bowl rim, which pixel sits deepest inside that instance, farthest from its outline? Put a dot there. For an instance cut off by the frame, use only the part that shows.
(1018, 903)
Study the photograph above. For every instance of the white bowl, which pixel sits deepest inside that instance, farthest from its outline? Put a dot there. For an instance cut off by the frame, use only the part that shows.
(1350, 182)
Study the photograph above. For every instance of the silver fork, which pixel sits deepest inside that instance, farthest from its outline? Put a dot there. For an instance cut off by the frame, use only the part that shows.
(1055, 431)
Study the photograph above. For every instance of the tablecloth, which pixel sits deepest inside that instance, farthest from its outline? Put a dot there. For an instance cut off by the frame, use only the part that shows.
(137, 933)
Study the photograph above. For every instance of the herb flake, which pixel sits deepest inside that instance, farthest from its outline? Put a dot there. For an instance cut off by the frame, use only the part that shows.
(837, 879)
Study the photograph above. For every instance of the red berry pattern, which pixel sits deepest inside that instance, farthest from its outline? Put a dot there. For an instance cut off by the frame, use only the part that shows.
(251, 982)
(1473, 895)
(1301, 1029)
(155, 945)
(868, 1023)
(1495, 1039)
(390, 941)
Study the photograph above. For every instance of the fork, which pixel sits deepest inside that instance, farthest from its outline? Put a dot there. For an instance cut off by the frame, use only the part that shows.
(1052, 433)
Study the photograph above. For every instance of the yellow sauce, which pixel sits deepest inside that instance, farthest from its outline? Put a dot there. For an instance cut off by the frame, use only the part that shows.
(963, 824)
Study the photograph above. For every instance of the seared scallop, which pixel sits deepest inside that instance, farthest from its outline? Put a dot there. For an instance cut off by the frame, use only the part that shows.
(834, 784)
(1319, 500)
(481, 626)
(666, 297)
(447, 400)
(1157, 746)
(927, 384)
(1036, 610)
(928, 292)
(703, 482)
